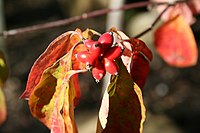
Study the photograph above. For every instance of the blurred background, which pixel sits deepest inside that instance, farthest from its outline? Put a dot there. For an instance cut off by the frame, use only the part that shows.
(171, 95)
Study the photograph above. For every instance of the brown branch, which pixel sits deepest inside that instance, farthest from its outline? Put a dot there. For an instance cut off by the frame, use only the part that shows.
(70, 20)
(153, 24)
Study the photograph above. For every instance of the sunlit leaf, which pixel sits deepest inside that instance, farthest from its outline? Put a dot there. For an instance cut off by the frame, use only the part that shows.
(3, 77)
(127, 52)
(52, 100)
(139, 69)
(3, 111)
(89, 33)
(57, 48)
(3, 69)
(125, 111)
(175, 43)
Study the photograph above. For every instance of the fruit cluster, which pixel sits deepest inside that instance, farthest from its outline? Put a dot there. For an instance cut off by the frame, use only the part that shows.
(100, 55)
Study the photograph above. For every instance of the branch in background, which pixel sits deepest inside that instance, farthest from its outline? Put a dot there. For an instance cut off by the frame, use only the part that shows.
(153, 24)
(92, 14)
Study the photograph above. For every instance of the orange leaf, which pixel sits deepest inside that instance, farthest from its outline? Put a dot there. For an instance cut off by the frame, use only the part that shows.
(57, 48)
(52, 100)
(3, 111)
(124, 110)
(175, 43)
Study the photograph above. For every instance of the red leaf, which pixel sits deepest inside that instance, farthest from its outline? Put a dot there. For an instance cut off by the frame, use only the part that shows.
(74, 78)
(139, 69)
(175, 43)
(131, 45)
(139, 45)
(57, 48)
(133, 57)
(123, 109)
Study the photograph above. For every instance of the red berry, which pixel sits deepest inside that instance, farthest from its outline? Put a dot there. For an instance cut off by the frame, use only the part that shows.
(98, 71)
(106, 40)
(113, 53)
(110, 66)
(88, 43)
(95, 50)
(89, 57)
(83, 56)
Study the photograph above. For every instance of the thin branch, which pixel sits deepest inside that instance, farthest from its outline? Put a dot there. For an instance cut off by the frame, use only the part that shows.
(70, 20)
(172, 3)
(153, 24)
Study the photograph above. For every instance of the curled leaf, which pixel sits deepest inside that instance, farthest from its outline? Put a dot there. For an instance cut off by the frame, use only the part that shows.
(134, 57)
(57, 48)
(139, 45)
(52, 100)
(89, 33)
(3, 77)
(127, 53)
(131, 45)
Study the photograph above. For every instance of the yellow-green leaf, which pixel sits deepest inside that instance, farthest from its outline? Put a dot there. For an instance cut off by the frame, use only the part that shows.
(3, 69)
(52, 101)
(3, 77)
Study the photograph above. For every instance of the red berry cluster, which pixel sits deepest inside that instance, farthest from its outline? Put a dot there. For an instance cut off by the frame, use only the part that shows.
(100, 55)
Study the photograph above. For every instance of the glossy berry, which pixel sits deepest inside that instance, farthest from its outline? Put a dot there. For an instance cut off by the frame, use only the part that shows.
(110, 66)
(98, 71)
(88, 43)
(113, 53)
(106, 40)
(95, 50)
(83, 56)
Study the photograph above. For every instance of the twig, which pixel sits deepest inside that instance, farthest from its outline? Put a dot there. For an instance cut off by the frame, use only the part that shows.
(153, 24)
(67, 21)
(159, 16)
